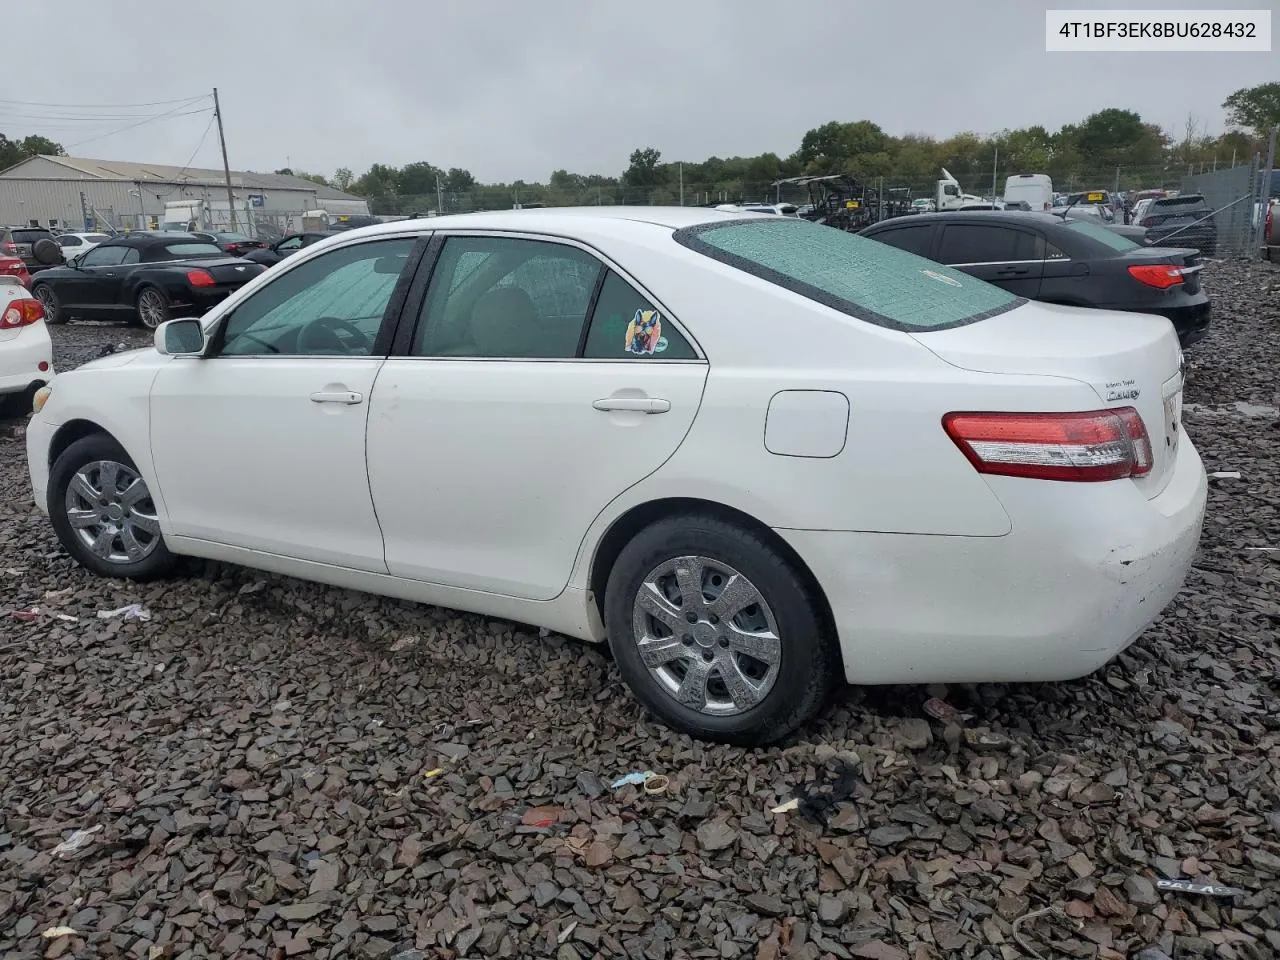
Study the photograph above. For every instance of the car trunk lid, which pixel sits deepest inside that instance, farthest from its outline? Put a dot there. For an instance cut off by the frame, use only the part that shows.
(1185, 258)
(1130, 360)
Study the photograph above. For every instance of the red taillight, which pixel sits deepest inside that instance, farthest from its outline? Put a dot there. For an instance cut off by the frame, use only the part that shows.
(201, 278)
(1266, 230)
(1158, 275)
(1147, 222)
(1082, 447)
(21, 313)
(9, 249)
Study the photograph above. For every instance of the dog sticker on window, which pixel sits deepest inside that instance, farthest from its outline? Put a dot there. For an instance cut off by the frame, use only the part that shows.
(644, 333)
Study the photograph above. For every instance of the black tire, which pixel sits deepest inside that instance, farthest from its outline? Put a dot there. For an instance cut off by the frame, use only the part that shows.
(98, 446)
(53, 312)
(151, 295)
(809, 666)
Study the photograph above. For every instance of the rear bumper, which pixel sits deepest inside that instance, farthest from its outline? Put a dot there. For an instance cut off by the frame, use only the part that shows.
(21, 356)
(200, 303)
(1190, 315)
(1084, 572)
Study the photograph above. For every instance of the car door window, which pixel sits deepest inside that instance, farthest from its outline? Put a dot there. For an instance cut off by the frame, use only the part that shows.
(507, 298)
(626, 324)
(131, 256)
(104, 256)
(330, 306)
(911, 239)
(981, 243)
(293, 243)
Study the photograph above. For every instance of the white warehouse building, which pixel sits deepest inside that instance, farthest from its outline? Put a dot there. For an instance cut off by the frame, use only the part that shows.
(71, 191)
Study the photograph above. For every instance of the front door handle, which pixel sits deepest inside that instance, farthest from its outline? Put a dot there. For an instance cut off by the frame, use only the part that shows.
(638, 404)
(1012, 272)
(336, 396)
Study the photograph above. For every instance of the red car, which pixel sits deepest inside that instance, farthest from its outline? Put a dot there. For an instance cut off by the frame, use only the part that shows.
(15, 267)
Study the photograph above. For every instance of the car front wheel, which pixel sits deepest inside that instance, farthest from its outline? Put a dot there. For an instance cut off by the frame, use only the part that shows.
(103, 513)
(717, 632)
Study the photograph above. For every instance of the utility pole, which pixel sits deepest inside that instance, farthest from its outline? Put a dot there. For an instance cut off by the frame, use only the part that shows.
(682, 184)
(226, 167)
(439, 196)
(1263, 194)
(995, 164)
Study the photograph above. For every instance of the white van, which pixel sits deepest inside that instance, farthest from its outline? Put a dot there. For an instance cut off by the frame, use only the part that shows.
(1034, 189)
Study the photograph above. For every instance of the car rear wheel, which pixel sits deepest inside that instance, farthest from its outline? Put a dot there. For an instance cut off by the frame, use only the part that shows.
(717, 633)
(153, 308)
(104, 514)
(49, 300)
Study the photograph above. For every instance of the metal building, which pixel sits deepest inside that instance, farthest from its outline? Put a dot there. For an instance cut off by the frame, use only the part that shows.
(65, 191)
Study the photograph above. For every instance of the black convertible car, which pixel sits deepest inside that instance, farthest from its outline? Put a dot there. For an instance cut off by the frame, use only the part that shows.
(143, 278)
(1042, 256)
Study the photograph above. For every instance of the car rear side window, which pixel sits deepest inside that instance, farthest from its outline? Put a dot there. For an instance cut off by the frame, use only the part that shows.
(626, 324)
(507, 298)
(180, 251)
(986, 243)
(915, 239)
(863, 278)
(1108, 238)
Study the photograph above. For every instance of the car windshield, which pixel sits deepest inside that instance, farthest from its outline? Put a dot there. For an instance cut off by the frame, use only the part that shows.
(1108, 238)
(863, 278)
(184, 251)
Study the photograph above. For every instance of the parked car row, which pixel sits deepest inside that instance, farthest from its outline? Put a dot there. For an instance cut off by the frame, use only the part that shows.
(691, 395)
(141, 277)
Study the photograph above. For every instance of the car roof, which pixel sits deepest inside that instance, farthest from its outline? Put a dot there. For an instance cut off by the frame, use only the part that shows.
(571, 220)
(1006, 217)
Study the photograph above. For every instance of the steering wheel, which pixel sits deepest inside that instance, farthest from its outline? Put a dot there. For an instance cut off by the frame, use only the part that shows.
(318, 337)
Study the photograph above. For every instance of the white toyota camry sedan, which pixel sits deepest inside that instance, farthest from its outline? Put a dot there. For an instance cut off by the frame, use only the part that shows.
(756, 455)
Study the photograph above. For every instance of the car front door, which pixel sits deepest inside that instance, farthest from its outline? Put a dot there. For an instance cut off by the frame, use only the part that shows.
(537, 384)
(260, 444)
(1008, 256)
(85, 292)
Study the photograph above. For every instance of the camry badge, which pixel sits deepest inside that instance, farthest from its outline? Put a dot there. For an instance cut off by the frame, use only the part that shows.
(241, 269)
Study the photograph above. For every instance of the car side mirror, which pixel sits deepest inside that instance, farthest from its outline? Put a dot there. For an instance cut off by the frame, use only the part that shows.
(181, 338)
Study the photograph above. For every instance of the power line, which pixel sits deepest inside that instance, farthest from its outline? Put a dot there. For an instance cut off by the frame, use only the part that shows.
(91, 106)
(159, 116)
(190, 159)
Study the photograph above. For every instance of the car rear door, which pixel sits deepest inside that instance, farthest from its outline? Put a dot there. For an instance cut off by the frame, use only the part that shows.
(531, 384)
(1009, 256)
(914, 238)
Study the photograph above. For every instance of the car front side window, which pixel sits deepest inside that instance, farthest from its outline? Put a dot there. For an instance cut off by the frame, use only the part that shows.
(331, 305)
(507, 298)
(104, 257)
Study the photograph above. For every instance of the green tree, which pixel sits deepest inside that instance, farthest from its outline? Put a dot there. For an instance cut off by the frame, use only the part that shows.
(643, 171)
(319, 178)
(285, 172)
(837, 147)
(418, 178)
(342, 178)
(1256, 108)
(15, 151)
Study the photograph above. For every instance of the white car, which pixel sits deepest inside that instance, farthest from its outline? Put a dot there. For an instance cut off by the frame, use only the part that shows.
(756, 454)
(26, 354)
(75, 244)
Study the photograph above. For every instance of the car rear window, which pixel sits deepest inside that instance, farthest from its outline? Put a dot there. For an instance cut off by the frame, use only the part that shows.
(1187, 201)
(1108, 238)
(865, 279)
(31, 236)
(178, 251)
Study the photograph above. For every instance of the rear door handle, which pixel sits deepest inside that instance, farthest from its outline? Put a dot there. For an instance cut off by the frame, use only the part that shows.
(638, 404)
(336, 396)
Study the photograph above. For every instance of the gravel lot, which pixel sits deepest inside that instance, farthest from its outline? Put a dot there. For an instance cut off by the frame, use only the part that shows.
(252, 760)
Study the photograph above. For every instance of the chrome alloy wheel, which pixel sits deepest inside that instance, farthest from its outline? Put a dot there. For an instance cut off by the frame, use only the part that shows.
(110, 510)
(151, 309)
(706, 635)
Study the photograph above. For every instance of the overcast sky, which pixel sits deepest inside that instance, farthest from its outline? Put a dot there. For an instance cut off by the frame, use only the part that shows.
(511, 89)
